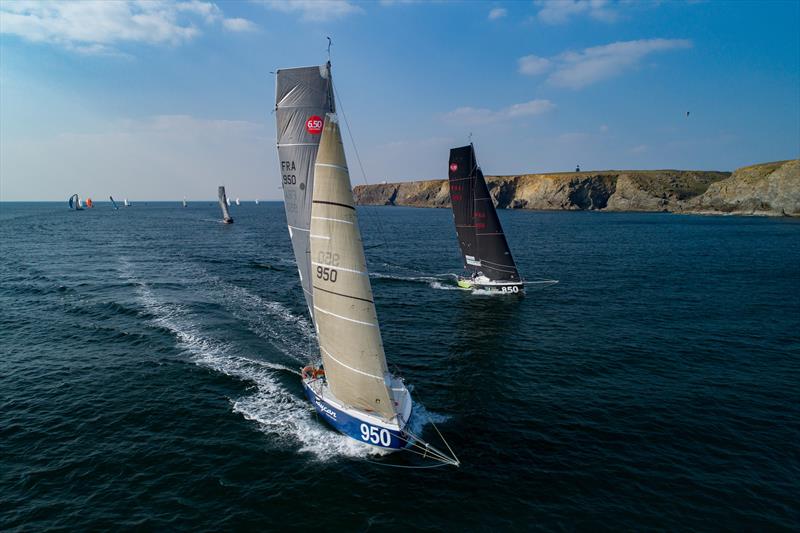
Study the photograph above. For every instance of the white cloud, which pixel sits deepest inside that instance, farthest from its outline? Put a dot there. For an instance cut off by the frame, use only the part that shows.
(497, 13)
(238, 24)
(560, 11)
(473, 115)
(314, 10)
(96, 27)
(532, 65)
(579, 69)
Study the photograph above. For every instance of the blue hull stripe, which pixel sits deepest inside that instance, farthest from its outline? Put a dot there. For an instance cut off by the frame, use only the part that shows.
(353, 427)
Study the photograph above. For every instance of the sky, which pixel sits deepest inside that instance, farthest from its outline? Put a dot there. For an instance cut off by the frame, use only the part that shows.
(160, 100)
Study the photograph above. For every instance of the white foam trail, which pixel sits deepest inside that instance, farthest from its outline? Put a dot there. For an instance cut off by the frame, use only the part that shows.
(445, 287)
(418, 279)
(277, 411)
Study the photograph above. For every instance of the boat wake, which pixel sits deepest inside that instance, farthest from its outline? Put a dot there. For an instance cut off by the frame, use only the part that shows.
(277, 410)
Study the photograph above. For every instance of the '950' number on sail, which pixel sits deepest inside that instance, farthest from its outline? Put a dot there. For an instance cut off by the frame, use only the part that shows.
(327, 274)
(375, 435)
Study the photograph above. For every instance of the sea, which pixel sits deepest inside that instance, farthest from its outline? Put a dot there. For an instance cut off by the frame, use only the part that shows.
(150, 356)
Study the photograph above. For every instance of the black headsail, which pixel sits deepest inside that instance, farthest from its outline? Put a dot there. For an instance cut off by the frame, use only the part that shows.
(480, 235)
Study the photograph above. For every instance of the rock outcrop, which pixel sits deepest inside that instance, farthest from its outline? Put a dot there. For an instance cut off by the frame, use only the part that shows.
(769, 188)
(766, 189)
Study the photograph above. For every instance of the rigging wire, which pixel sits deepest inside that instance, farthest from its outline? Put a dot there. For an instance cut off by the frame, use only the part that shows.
(338, 97)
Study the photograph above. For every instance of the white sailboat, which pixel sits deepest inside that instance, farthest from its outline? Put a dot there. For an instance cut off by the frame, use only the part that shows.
(237, 201)
(184, 202)
(224, 202)
(353, 390)
(125, 203)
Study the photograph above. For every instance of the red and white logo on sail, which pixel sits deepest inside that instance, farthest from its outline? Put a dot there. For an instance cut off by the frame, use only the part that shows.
(314, 125)
(453, 167)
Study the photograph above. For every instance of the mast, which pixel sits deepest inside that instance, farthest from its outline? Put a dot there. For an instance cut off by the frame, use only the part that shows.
(303, 96)
(480, 235)
(345, 316)
(226, 216)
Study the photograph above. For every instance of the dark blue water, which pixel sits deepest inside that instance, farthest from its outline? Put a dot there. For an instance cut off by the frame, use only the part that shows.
(148, 361)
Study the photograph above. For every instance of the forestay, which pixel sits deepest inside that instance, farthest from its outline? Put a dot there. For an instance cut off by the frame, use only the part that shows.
(480, 235)
(303, 96)
(346, 320)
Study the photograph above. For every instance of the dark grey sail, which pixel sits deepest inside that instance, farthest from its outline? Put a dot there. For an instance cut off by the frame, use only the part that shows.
(303, 96)
(480, 235)
(223, 203)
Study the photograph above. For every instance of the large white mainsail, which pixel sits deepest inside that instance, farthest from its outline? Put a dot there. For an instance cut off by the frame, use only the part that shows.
(302, 98)
(346, 321)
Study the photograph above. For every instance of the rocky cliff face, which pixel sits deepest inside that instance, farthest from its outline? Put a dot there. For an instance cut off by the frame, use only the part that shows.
(766, 189)
(770, 188)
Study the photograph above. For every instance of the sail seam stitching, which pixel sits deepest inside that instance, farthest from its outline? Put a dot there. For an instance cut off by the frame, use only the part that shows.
(344, 295)
(333, 220)
(333, 203)
(329, 165)
(350, 367)
(339, 268)
(345, 318)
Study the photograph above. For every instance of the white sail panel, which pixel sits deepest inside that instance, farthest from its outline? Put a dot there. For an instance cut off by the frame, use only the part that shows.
(302, 98)
(344, 312)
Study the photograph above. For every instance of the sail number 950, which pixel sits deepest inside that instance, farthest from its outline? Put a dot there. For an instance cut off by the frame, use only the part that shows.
(375, 435)
(327, 274)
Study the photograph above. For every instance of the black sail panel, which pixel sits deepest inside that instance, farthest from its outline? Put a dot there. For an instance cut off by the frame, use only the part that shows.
(497, 264)
(462, 184)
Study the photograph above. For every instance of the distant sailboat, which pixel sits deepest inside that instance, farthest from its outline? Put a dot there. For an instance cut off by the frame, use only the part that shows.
(89, 203)
(184, 202)
(125, 203)
(256, 201)
(228, 201)
(113, 202)
(487, 257)
(237, 202)
(80, 203)
(75, 202)
(224, 203)
(354, 390)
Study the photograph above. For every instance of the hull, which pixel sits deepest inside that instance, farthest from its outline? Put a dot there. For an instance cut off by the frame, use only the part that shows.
(358, 426)
(491, 286)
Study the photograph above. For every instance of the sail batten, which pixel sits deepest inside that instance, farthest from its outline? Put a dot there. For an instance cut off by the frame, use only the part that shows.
(303, 96)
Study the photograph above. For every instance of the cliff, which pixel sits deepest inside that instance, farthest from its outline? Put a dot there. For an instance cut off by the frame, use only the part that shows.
(769, 189)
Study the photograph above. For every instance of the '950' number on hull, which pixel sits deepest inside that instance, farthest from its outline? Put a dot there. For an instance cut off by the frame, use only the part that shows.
(375, 435)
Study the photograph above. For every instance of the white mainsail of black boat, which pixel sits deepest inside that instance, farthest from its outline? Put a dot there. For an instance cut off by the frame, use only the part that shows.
(224, 203)
(183, 203)
(125, 203)
(237, 201)
(353, 390)
(487, 257)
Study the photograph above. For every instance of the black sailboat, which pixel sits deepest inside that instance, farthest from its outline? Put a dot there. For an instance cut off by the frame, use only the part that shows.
(487, 257)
